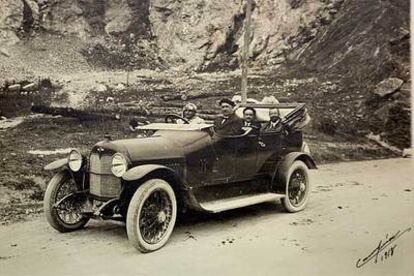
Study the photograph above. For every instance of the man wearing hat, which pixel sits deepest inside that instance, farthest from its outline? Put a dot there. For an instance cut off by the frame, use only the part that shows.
(190, 114)
(228, 123)
(275, 123)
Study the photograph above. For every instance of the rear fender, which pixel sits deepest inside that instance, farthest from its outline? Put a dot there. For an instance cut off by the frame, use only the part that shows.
(279, 177)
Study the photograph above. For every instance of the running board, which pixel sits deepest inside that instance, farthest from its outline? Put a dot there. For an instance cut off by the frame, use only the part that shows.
(221, 205)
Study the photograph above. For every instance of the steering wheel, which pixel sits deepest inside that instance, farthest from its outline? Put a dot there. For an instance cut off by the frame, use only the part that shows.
(172, 119)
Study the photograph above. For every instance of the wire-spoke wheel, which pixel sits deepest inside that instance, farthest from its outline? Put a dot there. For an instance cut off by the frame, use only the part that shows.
(67, 215)
(297, 187)
(151, 215)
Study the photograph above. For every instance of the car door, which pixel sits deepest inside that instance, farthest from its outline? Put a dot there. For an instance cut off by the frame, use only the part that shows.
(269, 151)
(224, 151)
(199, 162)
(246, 157)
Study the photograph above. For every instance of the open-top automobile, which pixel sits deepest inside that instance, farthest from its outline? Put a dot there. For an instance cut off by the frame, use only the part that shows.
(146, 180)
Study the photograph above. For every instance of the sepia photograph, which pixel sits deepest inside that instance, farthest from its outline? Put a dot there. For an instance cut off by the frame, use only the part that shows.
(206, 137)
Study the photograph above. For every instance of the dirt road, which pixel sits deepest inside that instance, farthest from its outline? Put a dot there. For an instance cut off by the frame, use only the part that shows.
(353, 207)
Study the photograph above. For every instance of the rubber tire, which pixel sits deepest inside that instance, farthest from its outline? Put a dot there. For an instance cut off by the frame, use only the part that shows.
(50, 199)
(134, 210)
(285, 201)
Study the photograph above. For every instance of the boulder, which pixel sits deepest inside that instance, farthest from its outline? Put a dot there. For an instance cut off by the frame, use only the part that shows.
(4, 52)
(387, 87)
(405, 90)
(101, 88)
(407, 153)
(120, 87)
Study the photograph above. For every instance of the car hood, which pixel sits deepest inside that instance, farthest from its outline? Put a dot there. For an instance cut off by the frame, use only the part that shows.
(164, 144)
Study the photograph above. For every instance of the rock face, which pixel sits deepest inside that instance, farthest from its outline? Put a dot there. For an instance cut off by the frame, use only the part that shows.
(365, 39)
(189, 31)
(194, 33)
(66, 17)
(11, 17)
(202, 32)
(322, 35)
(118, 17)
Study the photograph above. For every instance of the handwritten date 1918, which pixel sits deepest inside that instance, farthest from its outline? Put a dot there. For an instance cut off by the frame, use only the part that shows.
(384, 250)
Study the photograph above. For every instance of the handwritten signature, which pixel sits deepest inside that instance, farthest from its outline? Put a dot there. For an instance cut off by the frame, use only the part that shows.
(386, 246)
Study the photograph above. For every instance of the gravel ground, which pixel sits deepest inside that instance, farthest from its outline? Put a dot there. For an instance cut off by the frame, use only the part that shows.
(353, 206)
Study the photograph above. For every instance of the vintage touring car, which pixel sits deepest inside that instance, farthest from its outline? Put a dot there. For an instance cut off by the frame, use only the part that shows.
(146, 180)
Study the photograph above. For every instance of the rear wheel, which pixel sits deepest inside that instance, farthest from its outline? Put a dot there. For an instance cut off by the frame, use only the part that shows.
(151, 215)
(67, 215)
(297, 187)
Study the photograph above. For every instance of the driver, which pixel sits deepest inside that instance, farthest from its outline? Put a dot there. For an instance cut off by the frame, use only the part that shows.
(228, 123)
(190, 114)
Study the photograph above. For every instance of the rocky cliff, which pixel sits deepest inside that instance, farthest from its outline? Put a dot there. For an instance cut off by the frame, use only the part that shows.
(329, 35)
(197, 34)
(207, 34)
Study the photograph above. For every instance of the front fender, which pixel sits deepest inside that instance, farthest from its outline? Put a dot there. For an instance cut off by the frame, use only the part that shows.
(139, 172)
(56, 164)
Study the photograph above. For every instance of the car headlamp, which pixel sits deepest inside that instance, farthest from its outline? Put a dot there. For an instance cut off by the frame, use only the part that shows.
(75, 160)
(119, 165)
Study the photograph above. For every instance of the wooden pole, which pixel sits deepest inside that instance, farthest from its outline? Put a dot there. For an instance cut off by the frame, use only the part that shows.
(245, 52)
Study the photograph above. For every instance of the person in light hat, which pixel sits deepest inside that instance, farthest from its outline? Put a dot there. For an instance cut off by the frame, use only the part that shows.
(237, 100)
(190, 114)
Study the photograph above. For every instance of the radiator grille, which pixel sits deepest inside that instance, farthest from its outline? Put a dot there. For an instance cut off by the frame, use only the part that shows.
(102, 182)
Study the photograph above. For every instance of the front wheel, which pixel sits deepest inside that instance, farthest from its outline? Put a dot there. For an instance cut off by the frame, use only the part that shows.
(151, 215)
(67, 215)
(297, 187)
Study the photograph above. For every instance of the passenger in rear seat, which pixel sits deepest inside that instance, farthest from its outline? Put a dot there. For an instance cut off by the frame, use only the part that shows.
(250, 121)
(275, 123)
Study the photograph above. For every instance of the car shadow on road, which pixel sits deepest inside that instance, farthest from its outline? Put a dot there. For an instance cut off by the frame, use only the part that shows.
(102, 229)
(246, 213)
